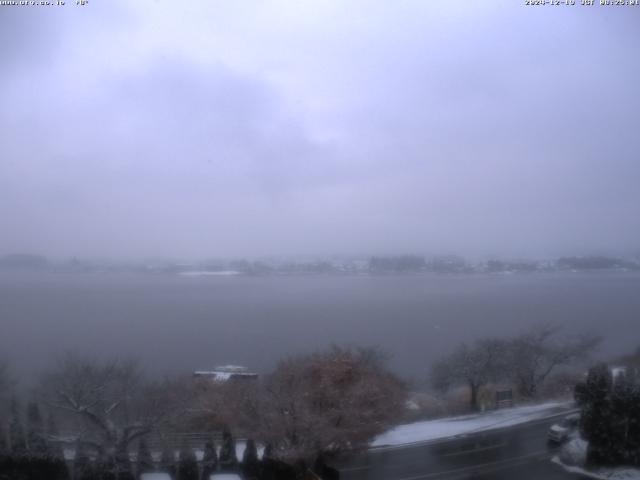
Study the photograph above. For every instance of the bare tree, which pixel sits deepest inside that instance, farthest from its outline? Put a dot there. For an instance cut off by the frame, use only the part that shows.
(7, 385)
(6, 382)
(112, 403)
(16, 430)
(328, 402)
(471, 365)
(534, 355)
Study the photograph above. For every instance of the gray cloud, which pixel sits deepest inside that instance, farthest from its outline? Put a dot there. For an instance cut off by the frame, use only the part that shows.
(161, 129)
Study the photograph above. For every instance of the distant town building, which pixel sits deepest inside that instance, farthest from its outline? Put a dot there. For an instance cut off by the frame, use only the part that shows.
(617, 371)
(226, 373)
(631, 373)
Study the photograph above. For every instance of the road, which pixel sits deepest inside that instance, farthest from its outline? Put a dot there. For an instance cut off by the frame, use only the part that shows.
(519, 452)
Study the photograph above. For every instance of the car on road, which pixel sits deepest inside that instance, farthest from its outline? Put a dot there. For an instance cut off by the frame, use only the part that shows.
(559, 432)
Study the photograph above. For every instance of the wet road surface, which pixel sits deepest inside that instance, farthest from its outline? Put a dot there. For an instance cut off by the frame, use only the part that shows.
(520, 452)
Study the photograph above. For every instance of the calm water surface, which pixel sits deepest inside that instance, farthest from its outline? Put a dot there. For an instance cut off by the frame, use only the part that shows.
(177, 323)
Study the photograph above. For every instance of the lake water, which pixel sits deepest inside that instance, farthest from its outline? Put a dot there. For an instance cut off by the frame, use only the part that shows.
(179, 323)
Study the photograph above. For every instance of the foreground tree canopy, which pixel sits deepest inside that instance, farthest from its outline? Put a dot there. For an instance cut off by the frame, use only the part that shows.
(314, 404)
(328, 401)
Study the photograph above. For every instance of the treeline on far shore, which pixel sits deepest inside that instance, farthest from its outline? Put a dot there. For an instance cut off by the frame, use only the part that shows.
(333, 265)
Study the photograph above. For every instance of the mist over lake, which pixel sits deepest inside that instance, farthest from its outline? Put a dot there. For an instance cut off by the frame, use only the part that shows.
(176, 323)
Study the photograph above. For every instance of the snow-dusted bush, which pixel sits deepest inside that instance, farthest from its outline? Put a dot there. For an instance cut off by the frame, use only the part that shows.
(574, 452)
(187, 463)
(209, 459)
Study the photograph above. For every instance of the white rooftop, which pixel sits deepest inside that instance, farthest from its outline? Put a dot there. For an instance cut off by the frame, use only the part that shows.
(225, 372)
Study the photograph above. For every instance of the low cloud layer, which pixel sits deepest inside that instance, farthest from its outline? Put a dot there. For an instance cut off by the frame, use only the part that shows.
(224, 129)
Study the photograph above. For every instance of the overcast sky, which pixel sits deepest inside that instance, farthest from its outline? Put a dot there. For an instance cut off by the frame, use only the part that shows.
(241, 128)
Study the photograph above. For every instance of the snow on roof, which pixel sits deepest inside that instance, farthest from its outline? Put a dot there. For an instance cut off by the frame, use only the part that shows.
(617, 371)
(225, 372)
(231, 368)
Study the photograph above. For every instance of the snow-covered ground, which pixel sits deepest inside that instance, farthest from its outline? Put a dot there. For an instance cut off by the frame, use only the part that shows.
(620, 473)
(572, 458)
(165, 476)
(448, 427)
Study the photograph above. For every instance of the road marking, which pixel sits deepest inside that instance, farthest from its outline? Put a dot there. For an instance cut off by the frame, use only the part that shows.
(501, 463)
(491, 470)
(473, 450)
(525, 437)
